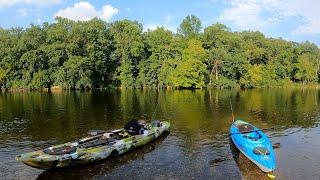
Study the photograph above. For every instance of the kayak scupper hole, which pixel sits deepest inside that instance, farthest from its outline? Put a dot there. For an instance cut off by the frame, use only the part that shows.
(114, 153)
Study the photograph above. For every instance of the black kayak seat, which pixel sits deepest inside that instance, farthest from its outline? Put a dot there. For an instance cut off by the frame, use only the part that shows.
(133, 127)
(261, 151)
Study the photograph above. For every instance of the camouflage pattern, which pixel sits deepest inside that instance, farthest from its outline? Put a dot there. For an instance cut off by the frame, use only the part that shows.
(40, 159)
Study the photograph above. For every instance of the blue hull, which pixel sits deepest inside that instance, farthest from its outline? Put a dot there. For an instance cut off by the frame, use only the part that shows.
(254, 144)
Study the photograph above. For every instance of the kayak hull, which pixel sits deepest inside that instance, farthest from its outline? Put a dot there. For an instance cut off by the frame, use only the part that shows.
(41, 160)
(254, 144)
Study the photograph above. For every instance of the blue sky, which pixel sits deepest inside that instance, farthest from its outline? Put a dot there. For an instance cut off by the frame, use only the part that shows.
(296, 20)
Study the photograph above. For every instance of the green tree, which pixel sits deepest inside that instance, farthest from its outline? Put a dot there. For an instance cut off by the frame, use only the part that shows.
(75, 74)
(158, 45)
(306, 69)
(191, 73)
(2, 78)
(129, 47)
(190, 26)
(97, 54)
(253, 77)
(41, 79)
(216, 56)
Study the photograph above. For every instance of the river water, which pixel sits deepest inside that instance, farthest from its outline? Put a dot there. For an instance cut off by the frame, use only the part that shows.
(198, 146)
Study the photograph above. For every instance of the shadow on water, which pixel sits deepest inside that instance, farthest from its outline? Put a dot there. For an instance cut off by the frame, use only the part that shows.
(247, 168)
(102, 168)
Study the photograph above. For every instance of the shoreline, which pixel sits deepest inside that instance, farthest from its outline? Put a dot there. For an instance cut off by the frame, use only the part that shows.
(60, 89)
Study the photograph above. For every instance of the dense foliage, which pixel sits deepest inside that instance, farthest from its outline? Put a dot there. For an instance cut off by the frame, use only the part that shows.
(96, 54)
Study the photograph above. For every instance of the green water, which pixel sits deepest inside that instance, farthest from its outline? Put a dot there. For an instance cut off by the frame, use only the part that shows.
(197, 147)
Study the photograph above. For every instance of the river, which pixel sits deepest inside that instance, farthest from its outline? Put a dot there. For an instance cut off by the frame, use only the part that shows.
(198, 145)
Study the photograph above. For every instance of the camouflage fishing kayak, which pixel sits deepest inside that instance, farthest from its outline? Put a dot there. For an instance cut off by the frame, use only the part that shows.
(93, 148)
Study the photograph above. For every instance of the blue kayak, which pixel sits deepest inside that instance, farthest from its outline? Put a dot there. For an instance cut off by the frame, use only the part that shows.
(254, 144)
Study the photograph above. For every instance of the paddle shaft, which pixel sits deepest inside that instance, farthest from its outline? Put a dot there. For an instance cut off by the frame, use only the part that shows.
(252, 131)
(98, 136)
(276, 145)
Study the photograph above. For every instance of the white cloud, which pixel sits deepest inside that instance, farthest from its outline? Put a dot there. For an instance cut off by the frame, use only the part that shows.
(108, 11)
(22, 12)
(166, 25)
(8, 3)
(309, 12)
(261, 14)
(155, 26)
(84, 11)
(168, 19)
(244, 14)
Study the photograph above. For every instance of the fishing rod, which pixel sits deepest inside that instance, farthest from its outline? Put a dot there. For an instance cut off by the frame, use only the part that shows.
(232, 111)
(155, 111)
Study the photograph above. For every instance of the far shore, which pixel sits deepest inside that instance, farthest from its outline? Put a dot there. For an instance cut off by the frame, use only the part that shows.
(60, 89)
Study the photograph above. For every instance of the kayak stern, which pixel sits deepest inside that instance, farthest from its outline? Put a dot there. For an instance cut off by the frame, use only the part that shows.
(37, 159)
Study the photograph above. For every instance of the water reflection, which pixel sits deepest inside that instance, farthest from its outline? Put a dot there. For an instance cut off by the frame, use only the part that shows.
(248, 169)
(200, 123)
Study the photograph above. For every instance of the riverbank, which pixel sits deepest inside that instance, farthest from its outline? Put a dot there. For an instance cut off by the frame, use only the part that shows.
(59, 88)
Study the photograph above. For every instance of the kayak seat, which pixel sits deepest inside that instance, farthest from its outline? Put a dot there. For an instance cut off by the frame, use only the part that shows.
(245, 128)
(254, 136)
(60, 150)
(134, 127)
(156, 123)
(261, 151)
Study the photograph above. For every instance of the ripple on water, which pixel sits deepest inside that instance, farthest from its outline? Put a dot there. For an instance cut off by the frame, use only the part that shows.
(198, 146)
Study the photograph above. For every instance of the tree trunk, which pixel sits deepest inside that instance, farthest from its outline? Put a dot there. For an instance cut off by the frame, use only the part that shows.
(216, 67)
(318, 71)
(211, 73)
(217, 78)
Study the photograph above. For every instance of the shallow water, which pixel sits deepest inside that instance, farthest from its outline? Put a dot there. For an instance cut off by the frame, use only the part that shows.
(197, 147)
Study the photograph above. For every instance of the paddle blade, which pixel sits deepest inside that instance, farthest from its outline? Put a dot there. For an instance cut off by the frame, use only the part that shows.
(272, 176)
(276, 145)
(95, 132)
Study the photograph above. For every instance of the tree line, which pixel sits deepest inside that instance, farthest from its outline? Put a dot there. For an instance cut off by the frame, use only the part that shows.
(96, 54)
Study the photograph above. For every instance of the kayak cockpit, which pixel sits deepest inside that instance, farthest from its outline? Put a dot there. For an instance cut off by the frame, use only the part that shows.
(244, 127)
(248, 131)
(253, 136)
